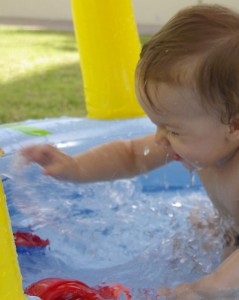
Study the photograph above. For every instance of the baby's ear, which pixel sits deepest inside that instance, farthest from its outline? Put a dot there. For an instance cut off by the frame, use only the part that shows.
(234, 128)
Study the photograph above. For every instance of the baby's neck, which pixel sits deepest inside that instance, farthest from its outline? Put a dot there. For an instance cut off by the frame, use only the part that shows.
(228, 159)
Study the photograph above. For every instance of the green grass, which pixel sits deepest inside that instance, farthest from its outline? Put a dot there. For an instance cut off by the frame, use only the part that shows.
(39, 75)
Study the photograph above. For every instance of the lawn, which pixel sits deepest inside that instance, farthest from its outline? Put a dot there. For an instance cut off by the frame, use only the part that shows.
(39, 75)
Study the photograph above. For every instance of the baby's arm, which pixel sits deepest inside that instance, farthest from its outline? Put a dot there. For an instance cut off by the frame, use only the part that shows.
(113, 160)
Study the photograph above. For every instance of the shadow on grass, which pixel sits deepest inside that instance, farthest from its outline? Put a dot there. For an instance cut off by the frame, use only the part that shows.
(53, 93)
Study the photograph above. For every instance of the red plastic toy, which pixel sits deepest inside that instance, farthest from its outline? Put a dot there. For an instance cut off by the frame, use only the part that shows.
(29, 240)
(61, 289)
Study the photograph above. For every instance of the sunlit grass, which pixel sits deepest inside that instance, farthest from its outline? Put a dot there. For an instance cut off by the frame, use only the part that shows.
(28, 52)
(39, 75)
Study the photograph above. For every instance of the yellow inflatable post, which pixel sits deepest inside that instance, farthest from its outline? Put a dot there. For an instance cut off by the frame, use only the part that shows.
(10, 277)
(109, 49)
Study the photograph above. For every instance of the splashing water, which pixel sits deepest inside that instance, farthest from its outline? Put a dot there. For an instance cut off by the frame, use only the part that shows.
(114, 232)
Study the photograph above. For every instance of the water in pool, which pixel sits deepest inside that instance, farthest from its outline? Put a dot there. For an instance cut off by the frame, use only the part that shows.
(127, 231)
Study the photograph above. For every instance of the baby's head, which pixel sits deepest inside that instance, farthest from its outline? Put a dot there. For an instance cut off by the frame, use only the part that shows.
(197, 49)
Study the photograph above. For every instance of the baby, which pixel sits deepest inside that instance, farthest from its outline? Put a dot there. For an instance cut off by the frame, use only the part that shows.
(187, 82)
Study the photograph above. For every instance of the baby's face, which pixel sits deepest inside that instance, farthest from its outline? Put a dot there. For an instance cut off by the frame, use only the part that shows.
(185, 130)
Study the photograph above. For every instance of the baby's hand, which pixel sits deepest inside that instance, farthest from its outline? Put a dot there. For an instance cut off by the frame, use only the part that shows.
(54, 162)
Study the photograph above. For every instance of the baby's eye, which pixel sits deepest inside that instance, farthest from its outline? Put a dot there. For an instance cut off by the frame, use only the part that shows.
(172, 133)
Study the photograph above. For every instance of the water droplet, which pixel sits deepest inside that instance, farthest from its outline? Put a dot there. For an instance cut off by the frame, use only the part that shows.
(165, 183)
(192, 178)
(146, 150)
(167, 158)
(177, 204)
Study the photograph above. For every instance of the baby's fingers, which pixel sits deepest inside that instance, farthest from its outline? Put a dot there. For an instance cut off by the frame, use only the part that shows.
(41, 154)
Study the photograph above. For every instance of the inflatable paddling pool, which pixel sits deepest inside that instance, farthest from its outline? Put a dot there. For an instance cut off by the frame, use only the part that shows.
(139, 233)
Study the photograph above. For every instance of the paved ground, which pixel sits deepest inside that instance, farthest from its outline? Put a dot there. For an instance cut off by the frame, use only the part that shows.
(60, 25)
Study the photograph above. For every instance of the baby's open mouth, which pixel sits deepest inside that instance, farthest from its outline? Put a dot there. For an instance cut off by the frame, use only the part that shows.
(177, 157)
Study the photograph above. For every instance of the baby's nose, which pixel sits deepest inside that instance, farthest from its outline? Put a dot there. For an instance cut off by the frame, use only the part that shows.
(161, 137)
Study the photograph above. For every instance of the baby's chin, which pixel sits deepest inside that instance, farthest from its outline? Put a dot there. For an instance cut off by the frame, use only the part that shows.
(188, 165)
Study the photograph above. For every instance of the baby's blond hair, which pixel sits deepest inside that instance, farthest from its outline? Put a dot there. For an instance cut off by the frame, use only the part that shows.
(207, 34)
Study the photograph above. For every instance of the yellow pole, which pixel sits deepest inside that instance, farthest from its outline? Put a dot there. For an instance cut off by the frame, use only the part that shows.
(109, 49)
(10, 277)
